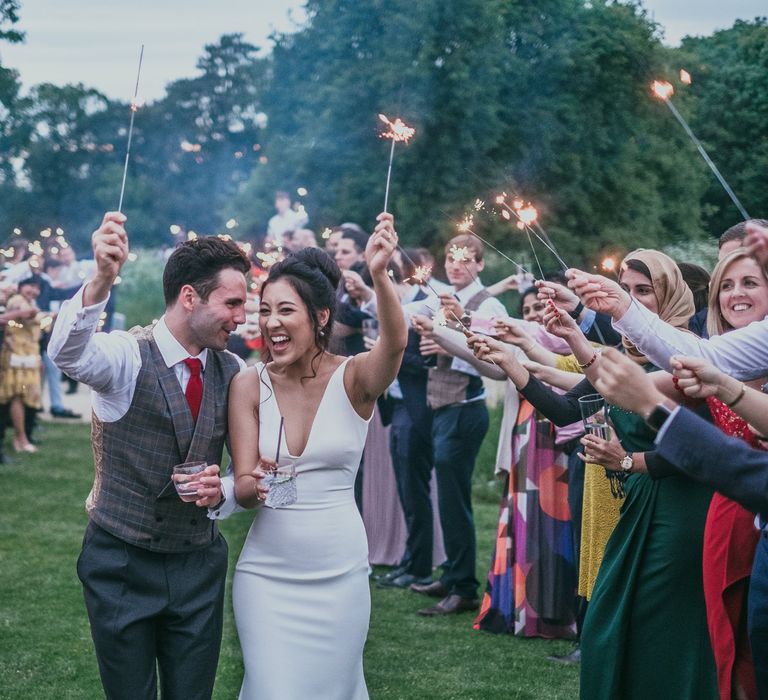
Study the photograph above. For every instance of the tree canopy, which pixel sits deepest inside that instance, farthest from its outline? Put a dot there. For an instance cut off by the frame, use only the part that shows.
(549, 100)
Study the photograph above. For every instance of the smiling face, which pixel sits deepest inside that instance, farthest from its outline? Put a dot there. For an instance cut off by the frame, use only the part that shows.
(533, 308)
(640, 287)
(211, 322)
(285, 323)
(743, 293)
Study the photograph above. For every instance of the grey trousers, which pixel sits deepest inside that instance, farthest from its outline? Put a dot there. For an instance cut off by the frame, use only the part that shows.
(151, 611)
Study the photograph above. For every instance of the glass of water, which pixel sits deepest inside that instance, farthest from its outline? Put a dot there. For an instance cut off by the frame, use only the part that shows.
(186, 479)
(592, 407)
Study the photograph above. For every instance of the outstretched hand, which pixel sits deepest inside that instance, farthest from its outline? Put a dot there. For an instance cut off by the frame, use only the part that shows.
(381, 245)
(558, 322)
(699, 379)
(756, 241)
(599, 293)
(510, 331)
(560, 294)
(491, 350)
(624, 383)
(110, 251)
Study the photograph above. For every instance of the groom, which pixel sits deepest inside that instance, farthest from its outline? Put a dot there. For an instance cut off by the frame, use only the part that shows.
(152, 566)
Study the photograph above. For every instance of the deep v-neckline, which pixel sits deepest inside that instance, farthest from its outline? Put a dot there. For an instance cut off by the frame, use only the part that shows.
(314, 418)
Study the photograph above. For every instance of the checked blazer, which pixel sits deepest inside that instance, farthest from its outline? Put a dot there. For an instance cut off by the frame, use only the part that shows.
(133, 497)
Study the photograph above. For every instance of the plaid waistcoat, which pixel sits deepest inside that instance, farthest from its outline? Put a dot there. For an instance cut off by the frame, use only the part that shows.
(449, 387)
(133, 496)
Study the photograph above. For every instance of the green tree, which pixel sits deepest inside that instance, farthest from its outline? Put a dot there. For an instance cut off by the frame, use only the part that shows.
(729, 113)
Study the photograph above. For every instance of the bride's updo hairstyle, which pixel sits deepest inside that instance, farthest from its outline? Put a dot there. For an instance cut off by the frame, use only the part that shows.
(314, 276)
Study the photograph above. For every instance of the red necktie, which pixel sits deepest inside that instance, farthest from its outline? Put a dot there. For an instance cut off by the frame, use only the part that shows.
(194, 392)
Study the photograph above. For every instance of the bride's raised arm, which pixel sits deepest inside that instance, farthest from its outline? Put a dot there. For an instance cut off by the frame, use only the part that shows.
(370, 373)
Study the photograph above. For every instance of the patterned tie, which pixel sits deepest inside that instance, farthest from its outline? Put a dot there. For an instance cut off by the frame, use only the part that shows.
(194, 392)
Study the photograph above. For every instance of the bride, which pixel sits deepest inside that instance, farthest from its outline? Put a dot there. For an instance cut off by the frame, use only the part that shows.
(299, 421)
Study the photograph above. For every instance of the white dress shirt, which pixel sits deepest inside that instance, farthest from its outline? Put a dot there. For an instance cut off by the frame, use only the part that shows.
(489, 309)
(110, 362)
(741, 353)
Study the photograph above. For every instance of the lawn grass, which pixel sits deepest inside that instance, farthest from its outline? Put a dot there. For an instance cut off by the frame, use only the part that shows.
(45, 645)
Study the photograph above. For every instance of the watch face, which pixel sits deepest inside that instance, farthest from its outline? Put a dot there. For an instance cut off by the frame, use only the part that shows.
(658, 417)
(626, 463)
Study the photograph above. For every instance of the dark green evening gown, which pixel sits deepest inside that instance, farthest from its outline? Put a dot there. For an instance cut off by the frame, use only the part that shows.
(645, 635)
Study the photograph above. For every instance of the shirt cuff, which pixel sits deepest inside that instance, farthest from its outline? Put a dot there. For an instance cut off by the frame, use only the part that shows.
(86, 316)
(229, 505)
(587, 321)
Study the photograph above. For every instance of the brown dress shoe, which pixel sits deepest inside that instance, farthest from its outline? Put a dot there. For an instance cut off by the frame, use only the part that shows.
(450, 605)
(436, 589)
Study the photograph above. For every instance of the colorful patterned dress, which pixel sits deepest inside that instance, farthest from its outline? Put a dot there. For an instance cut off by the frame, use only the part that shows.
(532, 580)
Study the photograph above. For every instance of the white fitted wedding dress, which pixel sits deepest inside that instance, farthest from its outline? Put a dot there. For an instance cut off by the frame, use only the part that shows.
(300, 590)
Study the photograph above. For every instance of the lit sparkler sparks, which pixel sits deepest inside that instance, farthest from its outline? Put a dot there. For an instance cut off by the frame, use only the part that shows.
(527, 216)
(664, 92)
(269, 259)
(326, 234)
(685, 77)
(398, 131)
(465, 226)
(422, 273)
(135, 104)
(460, 254)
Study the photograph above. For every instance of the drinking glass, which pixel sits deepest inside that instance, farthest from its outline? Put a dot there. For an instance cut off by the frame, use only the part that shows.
(592, 407)
(186, 480)
(282, 487)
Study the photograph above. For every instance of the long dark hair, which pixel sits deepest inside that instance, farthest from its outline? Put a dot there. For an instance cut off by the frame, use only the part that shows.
(314, 276)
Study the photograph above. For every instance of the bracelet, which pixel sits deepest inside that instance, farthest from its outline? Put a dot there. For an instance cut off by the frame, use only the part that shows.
(575, 313)
(588, 364)
(739, 397)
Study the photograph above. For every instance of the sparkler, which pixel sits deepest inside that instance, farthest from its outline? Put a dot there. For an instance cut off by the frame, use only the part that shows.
(134, 108)
(398, 131)
(465, 226)
(527, 218)
(664, 92)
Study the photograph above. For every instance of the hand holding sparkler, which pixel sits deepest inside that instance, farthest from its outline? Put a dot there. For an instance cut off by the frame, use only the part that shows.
(381, 245)
(110, 251)
(510, 331)
(558, 322)
(451, 306)
(560, 294)
(599, 293)
(497, 353)
(756, 241)
(355, 286)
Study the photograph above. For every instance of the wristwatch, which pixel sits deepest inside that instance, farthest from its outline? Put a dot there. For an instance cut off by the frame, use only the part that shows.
(627, 462)
(658, 416)
(575, 313)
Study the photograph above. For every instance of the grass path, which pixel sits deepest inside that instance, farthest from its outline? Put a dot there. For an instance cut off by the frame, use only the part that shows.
(45, 646)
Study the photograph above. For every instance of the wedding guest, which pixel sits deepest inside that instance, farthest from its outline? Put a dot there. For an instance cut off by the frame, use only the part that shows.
(20, 362)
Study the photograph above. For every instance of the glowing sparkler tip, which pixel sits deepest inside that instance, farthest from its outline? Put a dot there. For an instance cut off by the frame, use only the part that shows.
(326, 234)
(528, 214)
(685, 77)
(398, 129)
(662, 89)
(466, 223)
(500, 199)
(608, 264)
(517, 203)
(422, 273)
(460, 254)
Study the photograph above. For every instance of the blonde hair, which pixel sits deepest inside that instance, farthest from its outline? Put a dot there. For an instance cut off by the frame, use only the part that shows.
(716, 323)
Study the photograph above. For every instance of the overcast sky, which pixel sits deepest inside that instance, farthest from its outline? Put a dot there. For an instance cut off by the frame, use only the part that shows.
(97, 42)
